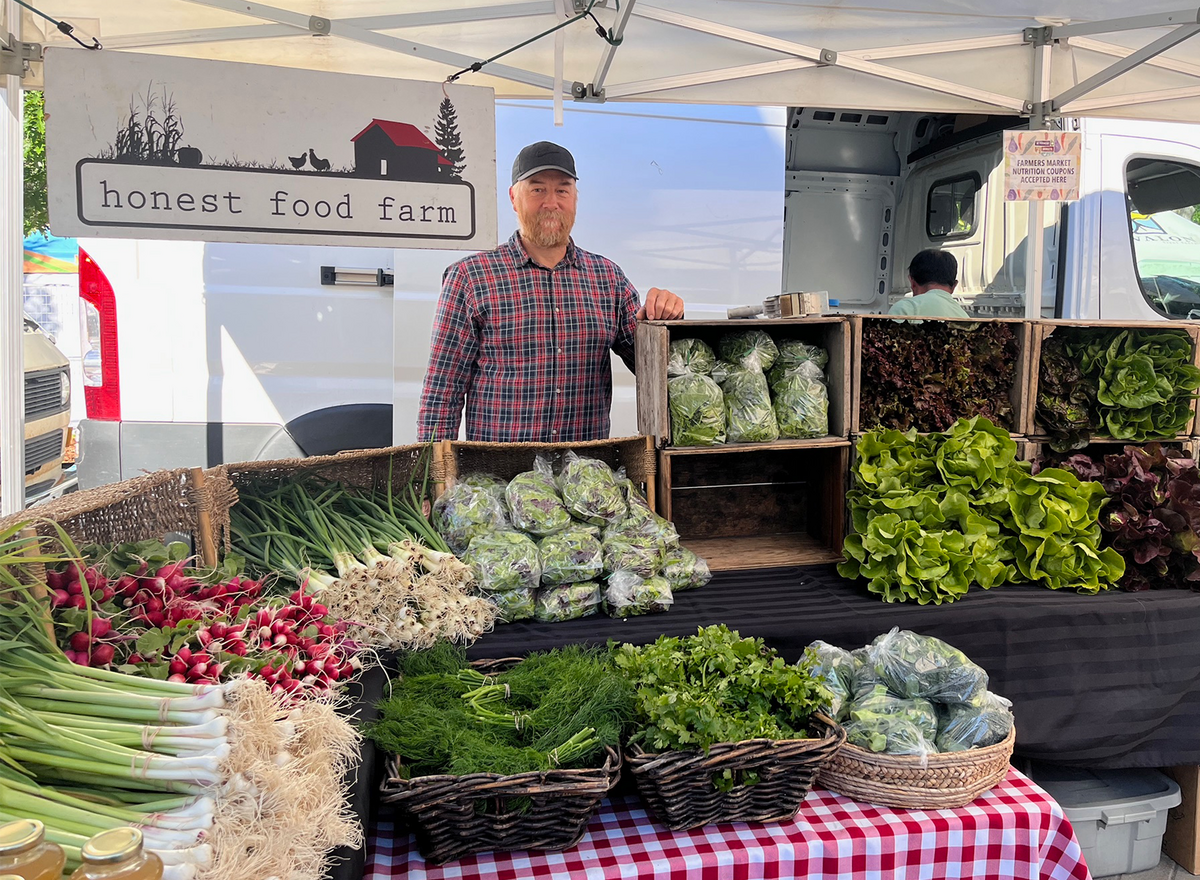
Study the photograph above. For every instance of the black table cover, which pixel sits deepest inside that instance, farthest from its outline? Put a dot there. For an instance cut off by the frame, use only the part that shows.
(1102, 681)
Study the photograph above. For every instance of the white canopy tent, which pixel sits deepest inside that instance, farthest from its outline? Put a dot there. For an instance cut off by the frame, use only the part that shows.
(1041, 58)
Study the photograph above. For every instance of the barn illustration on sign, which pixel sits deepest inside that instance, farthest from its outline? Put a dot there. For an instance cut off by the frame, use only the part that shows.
(385, 149)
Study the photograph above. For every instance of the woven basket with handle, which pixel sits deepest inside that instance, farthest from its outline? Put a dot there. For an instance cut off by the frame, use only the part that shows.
(771, 778)
(937, 782)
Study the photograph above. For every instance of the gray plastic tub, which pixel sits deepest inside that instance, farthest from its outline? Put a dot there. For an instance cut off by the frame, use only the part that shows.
(1119, 816)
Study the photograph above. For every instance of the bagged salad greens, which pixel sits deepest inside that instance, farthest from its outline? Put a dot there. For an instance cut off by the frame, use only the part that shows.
(793, 353)
(633, 552)
(534, 504)
(628, 594)
(749, 415)
(491, 484)
(801, 402)
(690, 356)
(962, 726)
(697, 408)
(569, 557)
(513, 605)
(913, 665)
(568, 602)
(868, 706)
(835, 667)
(749, 349)
(464, 511)
(891, 734)
(684, 570)
(504, 561)
(590, 491)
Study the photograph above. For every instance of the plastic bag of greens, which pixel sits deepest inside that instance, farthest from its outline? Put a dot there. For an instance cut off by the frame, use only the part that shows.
(962, 726)
(801, 403)
(793, 353)
(697, 408)
(749, 416)
(632, 552)
(570, 557)
(751, 349)
(913, 665)
(534, 504)
(490, 484)
(690, 356)
(866, 705)
(590, 491)
(864, 675)
(890, 734)
(628, 594)
(513, 605)
(835, 667)
(684, 570)
(504, 561)
(569, 602)
(642, 521)
(464, 511)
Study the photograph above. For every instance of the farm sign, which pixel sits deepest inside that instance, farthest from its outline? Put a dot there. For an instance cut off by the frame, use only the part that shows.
(148, 146)
(1041, 166)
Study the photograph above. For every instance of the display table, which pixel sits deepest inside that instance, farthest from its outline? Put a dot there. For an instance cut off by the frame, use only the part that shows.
(1111, 680)
(1013, 832)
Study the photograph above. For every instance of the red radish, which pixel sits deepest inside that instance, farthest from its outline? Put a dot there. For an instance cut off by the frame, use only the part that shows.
(101, 626)
(103, 654)
(74, 588)
(80, 641)
(61, 597)
(56, 580)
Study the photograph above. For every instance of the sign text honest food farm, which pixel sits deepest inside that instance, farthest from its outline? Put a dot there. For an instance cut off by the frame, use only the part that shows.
(154, 147)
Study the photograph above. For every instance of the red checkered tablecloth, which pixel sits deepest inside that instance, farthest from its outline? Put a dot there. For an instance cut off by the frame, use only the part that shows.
(1013, 832)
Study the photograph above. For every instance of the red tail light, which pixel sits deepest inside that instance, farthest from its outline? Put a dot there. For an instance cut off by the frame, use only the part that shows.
(102, 386)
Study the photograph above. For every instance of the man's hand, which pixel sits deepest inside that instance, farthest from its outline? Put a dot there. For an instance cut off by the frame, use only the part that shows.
(660, 305)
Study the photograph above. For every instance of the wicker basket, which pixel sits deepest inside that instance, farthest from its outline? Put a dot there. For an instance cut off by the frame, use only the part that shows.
(942, 782)
(455, 816)
(678, 786)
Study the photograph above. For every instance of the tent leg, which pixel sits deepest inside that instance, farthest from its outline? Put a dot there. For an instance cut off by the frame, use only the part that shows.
(12, 372)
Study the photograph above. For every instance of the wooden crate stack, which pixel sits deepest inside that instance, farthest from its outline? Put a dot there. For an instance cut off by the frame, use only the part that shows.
(751, 505)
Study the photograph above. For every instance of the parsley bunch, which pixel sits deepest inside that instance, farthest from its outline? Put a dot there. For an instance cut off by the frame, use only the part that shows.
(716, 687)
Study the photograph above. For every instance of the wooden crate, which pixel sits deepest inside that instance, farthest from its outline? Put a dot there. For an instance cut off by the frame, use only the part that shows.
(1017, 393)
(458, 458)
(1034, 449)
(654, 338)
(764, 506)
(1041, 331)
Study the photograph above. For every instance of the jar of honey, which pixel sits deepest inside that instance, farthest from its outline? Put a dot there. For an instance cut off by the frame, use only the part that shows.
(25, 852)
(117, 855)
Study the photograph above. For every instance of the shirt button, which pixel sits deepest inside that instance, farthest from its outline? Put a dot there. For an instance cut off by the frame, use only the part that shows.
(557, 309)
(554, 432)
(560, 351)
(558, 391)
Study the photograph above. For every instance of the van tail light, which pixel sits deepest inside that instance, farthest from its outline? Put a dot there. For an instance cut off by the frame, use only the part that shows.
(101, 366)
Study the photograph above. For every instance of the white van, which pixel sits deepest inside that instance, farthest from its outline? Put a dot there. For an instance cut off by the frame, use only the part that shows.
(201, 353)
(867, 190)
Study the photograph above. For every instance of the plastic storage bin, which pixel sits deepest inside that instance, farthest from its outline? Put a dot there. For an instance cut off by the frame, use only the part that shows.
(1119, 816)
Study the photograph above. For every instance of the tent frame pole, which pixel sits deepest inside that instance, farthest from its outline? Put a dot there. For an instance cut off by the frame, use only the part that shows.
(12, 325)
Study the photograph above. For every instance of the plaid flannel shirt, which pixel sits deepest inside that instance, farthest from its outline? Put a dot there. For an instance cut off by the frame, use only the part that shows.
(527, 347)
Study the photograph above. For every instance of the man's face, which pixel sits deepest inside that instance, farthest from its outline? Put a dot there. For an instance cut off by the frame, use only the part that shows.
(545, 206)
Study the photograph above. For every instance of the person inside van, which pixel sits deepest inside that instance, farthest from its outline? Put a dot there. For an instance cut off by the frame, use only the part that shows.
(932, 275)
(522, 333)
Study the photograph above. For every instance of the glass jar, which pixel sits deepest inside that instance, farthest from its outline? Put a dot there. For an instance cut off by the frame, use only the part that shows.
(118, 855)
(25, 852)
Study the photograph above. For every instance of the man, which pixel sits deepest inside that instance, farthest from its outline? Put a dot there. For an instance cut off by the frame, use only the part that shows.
(523, 333)
(932, 275)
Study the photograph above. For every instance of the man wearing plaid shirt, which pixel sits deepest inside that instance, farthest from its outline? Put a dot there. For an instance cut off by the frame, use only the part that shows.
(523, 333)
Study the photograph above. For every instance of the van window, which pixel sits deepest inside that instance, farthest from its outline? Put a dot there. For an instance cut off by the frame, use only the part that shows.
(1164, 225)
(950, 208)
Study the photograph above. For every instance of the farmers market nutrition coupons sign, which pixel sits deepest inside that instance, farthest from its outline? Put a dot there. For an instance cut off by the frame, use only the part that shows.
(142, 146)
(1041, 166)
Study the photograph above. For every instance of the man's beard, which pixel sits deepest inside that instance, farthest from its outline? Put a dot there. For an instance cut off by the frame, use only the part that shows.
(547, 229)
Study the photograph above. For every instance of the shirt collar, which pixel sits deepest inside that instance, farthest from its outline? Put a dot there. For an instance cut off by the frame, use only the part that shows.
(521, 257)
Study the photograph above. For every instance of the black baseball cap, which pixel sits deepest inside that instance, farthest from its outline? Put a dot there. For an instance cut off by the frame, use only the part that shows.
(543, 156)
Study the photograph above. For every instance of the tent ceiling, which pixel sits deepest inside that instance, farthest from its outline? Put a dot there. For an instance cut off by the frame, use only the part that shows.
(893, 54)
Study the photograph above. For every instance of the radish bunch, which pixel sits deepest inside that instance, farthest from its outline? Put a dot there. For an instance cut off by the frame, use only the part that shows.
(164, 623)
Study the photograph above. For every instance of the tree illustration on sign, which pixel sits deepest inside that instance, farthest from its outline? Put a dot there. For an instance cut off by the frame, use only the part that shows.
(449, 141)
